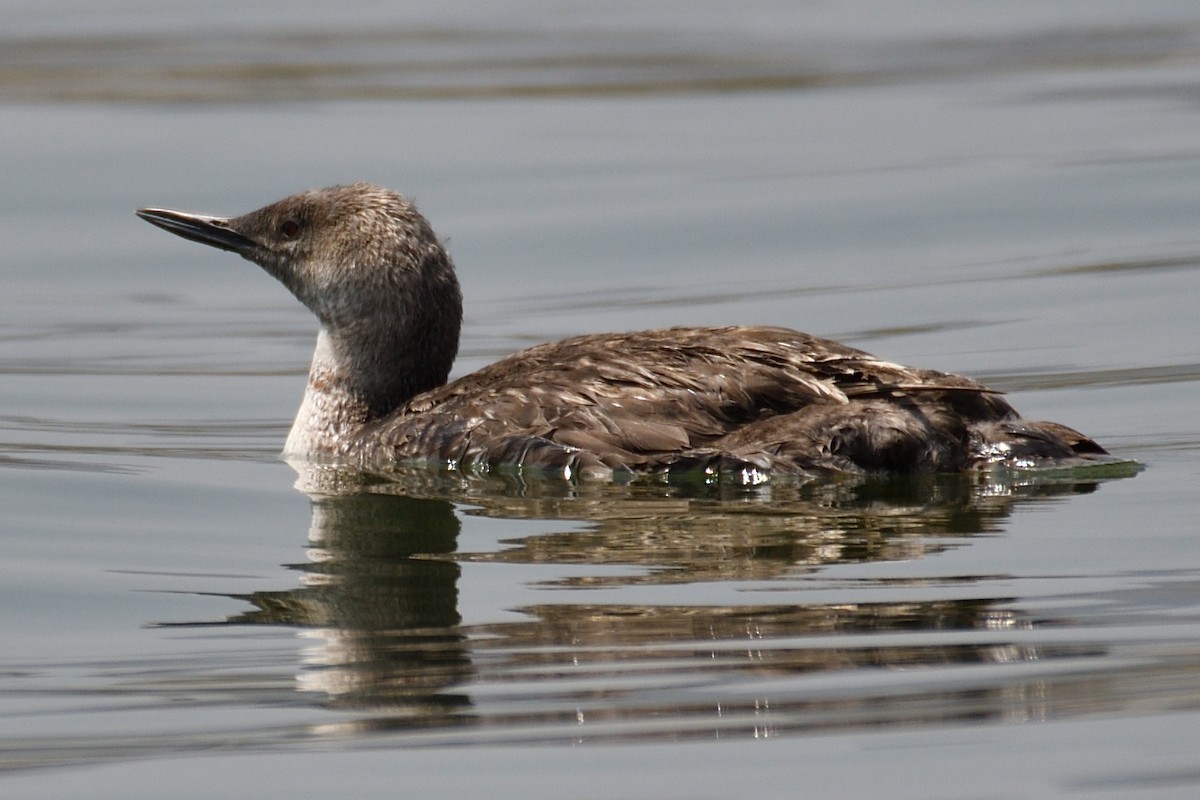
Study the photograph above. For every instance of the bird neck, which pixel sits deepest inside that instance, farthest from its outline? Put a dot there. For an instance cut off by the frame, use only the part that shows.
(355, 380)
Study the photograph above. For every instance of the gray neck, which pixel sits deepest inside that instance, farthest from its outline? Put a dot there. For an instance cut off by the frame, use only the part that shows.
(351, 385)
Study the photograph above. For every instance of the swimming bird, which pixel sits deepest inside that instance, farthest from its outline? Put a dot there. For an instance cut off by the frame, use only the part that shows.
(749, 400)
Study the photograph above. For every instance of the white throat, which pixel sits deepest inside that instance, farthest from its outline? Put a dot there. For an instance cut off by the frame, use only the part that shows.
(330, 416)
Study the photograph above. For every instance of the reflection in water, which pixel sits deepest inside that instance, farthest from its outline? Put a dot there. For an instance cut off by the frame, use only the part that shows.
(385, 619)
(379, 603)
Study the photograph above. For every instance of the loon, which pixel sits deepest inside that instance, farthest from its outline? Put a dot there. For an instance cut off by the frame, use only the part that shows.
(765, 399)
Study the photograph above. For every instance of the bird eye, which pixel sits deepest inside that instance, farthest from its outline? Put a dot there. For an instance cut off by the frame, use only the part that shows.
(289, 228)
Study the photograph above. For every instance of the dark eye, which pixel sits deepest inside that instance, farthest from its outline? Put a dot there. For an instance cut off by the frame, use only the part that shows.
(289, 228)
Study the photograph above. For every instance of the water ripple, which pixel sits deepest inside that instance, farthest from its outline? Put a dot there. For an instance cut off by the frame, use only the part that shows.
(458, 60)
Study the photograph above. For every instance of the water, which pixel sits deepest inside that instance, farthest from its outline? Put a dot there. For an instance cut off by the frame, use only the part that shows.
(1008, 191)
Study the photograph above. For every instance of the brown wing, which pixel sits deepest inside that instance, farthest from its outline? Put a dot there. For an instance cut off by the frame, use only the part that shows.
(640, 400)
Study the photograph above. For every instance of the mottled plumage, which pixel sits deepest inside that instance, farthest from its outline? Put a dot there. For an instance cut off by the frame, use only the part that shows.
(770, 399)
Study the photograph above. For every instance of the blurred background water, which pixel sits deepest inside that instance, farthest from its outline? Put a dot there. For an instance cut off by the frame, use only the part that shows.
(1004, 190)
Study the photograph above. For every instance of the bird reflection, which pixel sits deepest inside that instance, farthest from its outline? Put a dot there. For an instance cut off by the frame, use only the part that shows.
(378, 600)
(382, 615)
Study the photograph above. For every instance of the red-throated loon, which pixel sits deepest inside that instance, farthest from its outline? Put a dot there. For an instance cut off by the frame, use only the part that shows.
(364, 260)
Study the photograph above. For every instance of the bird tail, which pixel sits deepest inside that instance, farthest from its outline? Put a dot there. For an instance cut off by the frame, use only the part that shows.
(1032, 444)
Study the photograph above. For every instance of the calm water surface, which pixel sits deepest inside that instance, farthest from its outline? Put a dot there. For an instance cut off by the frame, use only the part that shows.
(1010, 191)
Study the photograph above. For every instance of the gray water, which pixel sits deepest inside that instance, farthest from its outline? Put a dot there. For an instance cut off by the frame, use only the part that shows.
(1010, 191)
